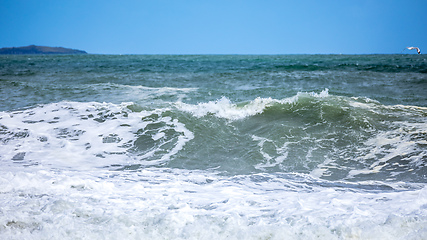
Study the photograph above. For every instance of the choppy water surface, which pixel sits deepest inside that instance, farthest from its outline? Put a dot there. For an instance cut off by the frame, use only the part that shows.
(213, 147)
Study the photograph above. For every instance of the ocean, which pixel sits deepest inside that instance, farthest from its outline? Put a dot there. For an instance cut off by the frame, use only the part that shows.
(213, 146)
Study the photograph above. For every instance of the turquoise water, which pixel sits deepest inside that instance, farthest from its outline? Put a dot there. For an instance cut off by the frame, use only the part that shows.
(213, 146)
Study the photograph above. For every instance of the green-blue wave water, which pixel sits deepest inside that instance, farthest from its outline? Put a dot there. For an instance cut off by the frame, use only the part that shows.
(213, 146)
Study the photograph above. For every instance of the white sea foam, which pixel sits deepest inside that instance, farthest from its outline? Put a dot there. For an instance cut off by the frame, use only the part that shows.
(394, 146)
(270, 161)
(74, 135)
(182, 204)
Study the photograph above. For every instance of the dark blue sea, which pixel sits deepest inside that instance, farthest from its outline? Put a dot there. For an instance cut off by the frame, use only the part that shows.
(213, 147)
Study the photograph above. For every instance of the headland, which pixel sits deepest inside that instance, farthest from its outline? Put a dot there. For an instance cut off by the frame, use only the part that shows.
(33, 49)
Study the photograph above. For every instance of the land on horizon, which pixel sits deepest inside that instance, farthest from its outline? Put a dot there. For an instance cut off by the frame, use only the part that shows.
(33, 49)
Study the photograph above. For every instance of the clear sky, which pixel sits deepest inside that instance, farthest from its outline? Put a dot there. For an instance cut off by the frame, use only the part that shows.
(216, 26)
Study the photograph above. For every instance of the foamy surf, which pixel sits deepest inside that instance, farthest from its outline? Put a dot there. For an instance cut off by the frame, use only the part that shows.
(72, 134)
(180, 204)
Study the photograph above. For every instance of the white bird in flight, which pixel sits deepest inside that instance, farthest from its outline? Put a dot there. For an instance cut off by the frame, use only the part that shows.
(411, 48)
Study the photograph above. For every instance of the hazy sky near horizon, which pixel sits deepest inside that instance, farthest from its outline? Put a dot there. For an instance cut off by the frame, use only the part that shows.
(216, 26)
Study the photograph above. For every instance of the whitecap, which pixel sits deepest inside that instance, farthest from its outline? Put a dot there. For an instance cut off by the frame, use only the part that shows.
(225, 108)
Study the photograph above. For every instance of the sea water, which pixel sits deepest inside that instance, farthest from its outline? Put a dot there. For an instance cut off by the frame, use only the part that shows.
(213, 147)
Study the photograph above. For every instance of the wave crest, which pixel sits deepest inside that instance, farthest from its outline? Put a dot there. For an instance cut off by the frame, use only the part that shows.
(225, 108)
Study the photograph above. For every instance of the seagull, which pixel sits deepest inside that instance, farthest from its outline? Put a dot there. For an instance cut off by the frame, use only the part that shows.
(412, 48)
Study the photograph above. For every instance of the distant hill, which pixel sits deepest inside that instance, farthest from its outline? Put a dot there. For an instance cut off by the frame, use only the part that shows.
(33, 49)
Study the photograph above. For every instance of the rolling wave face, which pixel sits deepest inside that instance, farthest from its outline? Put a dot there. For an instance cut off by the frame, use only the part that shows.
(335, 138)
(328, 136)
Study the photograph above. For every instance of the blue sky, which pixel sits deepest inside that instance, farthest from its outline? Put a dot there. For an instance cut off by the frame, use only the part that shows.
(216, 26)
